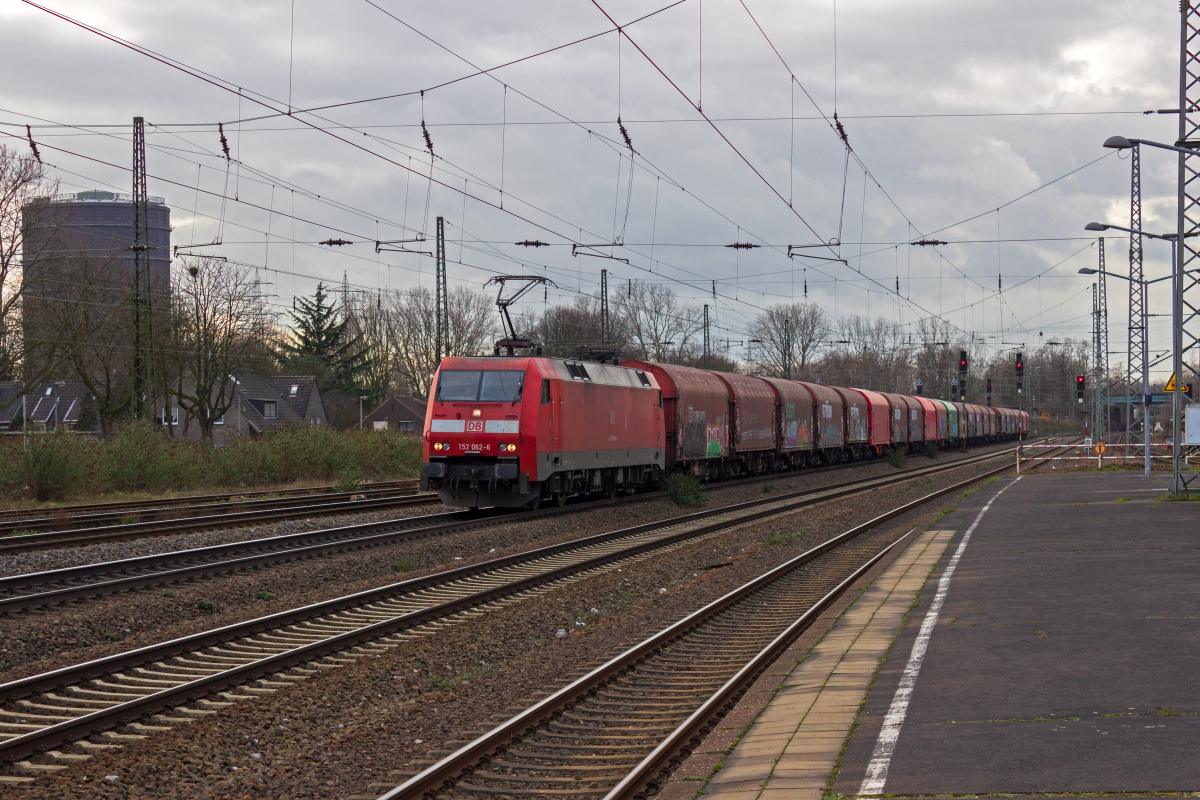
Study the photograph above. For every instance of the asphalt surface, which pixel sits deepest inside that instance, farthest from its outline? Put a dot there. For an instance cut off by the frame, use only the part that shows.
(1066, 655)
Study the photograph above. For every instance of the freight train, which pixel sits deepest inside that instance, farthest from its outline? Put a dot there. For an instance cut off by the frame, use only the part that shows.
(517, 431)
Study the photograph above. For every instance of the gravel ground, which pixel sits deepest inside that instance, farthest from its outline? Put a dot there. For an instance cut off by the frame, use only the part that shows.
(70, 556)
(400, 708)
(36, 508)
(40, 641)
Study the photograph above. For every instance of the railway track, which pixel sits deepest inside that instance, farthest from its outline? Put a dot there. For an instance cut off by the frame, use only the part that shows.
(342, 503)
(614, 732)
(179, 680)
(83, 520)
(63, 514)
(71, 584)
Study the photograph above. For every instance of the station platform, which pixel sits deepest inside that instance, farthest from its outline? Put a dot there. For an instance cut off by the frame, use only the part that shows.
(1043, 639)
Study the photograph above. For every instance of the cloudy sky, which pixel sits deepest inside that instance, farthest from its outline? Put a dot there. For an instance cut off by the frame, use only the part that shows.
(955, 108)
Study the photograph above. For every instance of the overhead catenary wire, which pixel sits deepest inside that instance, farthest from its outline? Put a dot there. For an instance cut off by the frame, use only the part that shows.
(627, 210)
(267, 103)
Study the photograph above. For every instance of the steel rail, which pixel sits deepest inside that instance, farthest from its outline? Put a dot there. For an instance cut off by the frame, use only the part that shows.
(42, 589)
(185, 500)
(87, 519)
(601, 544)
(104, 533)
(441, 775)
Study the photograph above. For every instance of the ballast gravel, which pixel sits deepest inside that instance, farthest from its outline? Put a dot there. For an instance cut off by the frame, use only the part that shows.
(62, 635)
(380, 717)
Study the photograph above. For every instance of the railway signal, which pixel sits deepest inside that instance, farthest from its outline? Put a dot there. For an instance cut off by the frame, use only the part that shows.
(963, 364)
(1020, 369)
(1079, 387)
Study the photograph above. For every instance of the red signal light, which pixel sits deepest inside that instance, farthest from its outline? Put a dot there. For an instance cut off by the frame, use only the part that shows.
(1079, 379)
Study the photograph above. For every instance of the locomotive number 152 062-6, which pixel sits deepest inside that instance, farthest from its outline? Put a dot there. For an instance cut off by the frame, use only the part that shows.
(474, 447)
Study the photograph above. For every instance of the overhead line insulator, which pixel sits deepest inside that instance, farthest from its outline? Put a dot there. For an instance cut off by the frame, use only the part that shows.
(743, 245)
(841, 130)
(625, 133)
(335, 242)
(32, 144)
(224, 141)
(428, 138)
(532, 243)
(928, 242)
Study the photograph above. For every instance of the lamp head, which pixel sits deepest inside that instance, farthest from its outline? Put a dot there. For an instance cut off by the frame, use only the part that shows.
(1118, 143)
(1095, 226)
(1088, 271)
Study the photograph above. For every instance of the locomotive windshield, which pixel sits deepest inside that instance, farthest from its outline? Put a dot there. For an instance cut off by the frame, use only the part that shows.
(476, 385)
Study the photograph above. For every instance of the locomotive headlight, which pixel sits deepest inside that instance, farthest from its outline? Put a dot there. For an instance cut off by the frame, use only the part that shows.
(437, 445)
(511, 448)
(476, 413)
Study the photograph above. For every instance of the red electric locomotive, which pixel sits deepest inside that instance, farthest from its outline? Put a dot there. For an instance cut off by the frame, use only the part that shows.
(514, 431)
(519, 430)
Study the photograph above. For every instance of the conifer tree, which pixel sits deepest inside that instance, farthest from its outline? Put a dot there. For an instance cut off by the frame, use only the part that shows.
(321, 344)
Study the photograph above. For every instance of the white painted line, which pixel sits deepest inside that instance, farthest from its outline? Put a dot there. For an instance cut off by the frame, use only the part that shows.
(1123, 491)
(889, 734)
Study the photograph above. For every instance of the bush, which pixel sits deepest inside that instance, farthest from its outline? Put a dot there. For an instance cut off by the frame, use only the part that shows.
(140, 458)
(897, 458)
(684, 490)
(53, 465)
(348, 480)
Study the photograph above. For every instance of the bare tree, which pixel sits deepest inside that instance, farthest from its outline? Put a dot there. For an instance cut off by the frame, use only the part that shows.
(91, 321)
(22, 180)
(660, 327)
(871, 354)
(218, 322)
(413, 327)
(368, 321)
(565, 330)
(790, 336)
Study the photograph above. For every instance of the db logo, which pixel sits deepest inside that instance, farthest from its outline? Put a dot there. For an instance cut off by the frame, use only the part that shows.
(475, 425)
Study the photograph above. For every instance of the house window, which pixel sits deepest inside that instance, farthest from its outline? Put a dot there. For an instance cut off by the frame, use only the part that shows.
(219, 420)
(292, 392)
(270, 410)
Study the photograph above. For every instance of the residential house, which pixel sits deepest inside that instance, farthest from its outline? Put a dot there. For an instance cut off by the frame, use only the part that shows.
(400, 414)
(262, 404)
(45, 406)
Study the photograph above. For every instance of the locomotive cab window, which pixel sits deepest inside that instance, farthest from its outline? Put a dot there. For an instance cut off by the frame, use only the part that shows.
(545, 391)
(475, 385)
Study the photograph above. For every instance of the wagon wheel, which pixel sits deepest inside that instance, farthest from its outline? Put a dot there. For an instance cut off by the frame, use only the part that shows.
(560, 498)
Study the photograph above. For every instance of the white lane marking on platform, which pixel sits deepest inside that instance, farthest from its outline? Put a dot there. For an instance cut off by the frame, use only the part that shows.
(885, 745)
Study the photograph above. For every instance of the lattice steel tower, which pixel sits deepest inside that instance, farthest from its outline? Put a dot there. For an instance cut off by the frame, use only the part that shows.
(141, 261)
(441, 297)
(1186, 306)
(1100, 339)
(604, 332)
(1138, 347)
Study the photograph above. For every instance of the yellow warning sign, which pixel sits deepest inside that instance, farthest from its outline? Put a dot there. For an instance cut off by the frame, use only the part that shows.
(1172, 384)
(1099, 448)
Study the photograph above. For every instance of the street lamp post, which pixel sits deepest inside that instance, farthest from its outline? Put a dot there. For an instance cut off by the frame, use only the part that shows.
(361, 398)
(1178, 256)
(1174, 276)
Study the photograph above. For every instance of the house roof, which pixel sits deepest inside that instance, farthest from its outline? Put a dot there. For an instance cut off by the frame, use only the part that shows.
(50, 401)
(398, 409)
(305, 386)
(252, 386)
(10, 403)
